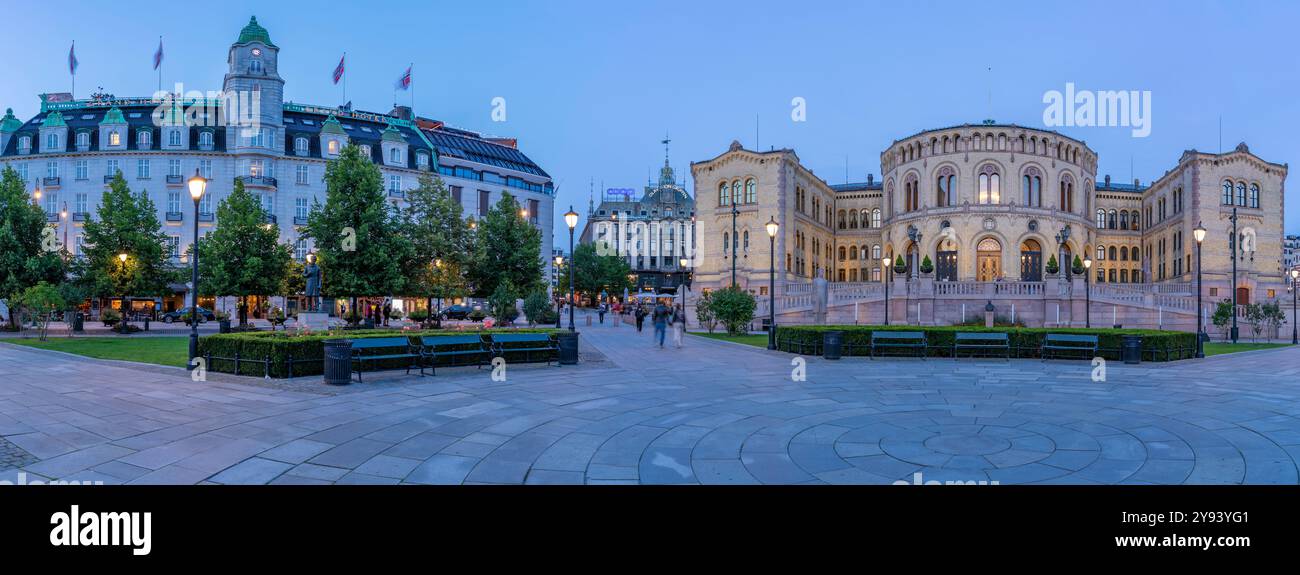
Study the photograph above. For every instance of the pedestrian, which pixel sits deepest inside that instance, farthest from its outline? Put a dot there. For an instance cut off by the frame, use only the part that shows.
(679, 325)
(600, 310)
(640, 317)
(388, 309)
(660, 320)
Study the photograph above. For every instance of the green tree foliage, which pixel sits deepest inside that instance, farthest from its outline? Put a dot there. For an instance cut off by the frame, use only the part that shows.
(1052, 265)
(126, 224)
(538, 308)
(704, 311)
(927, 266)
(243, 257)
(1077, 266)
(356, 233)
(40, 302)
(593, 273)
(508, 249)
(733, 307)
(502, 303)
(900, 265)
(442, 244)
(24, 261)
(1222, 317)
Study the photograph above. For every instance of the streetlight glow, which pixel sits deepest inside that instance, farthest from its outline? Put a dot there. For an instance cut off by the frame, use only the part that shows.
(772, 227)
(122, 257)
(197, 185)
(1199, 233)
(571, 218)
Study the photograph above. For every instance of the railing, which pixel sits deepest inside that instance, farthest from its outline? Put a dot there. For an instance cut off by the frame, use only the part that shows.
(1173, 288)
(264, 181)
(856, 291)
(1018, 288)
(50, 182)
(958, 288)
(175, 217)
(175, 180)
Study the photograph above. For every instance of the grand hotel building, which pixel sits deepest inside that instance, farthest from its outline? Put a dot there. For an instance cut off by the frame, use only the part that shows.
(72, 148)
(989, 204)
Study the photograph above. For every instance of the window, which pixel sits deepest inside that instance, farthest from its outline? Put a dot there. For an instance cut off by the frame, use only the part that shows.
(110, 168)
(25, 144)
(174, 201)
(115, 138)
(1241, 194)
(990, 185)
(724, 198)
(456, 195)
(143, 139)
(205, 204)
(142, 169)
(83, 139)
(1112, 221)
(1254, 195)
(735, 192)
(1134, 254)
(1066, 201)
(1101, 253)
(483, 199)
(750, 192)
(875, 218)
(300, 145)
(51, 169)
(268, 203)
(1123, 220)
(255, 66)
(395, 156)
(300, 249)
(205, 139)
(174, 167)
(1134, 220)
(300, 174)
(946, 186)
(205, 168)
(82, 170)
(422, 160)
(1032, 183)
(300, 208)
(365, 152)
(51, 202)
(51, 142)
(394, 184)
(1226, 199)
(911, 194)
(1101, 219)
(255, 168)
(174, 138)
(173, 246)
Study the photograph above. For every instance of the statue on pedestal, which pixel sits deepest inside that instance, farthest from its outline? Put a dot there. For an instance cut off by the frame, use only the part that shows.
(820, 297)
(311, 273)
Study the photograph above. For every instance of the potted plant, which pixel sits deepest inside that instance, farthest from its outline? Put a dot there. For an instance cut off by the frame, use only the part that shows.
(223, 321)
(477, 315)
(927, 266)
(1077, 266)
(109, 317)
(900, 265)
(1052, 266)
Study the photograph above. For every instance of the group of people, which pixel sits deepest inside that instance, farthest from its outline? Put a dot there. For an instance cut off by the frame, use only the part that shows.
(663, 318)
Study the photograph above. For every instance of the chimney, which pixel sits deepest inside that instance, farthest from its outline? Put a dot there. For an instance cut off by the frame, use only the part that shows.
(401, 112)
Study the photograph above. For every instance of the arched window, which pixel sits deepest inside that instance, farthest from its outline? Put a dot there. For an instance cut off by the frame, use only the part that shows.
(750, 192)
(1101, 219)
(1112, 253)
(990, 184)
(1133, 220)
(205, 138)
(1134, 255)
(735, 192)
(144, 138)
(83, 139)
(1101, 253)
(300, 144)
(1227, 194)
(1254, 195)
(115, 138)
(1241, 194)
(724, 199)
(174, 138)
(1123, 276)
(843, 253)
(911, 193)
(1123, 254)
(255, 66)
(875, 218)
(745, 245)
(875, 252)
(853, 219)
(853, 252)
(841, 222)
(946, 186)
(1032, 188)
(726, 243)
(1112, 222)
(1123, 220)
(1066, 201)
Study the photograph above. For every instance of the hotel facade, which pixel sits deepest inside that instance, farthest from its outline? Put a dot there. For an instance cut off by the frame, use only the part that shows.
(978, 213)
(72, 148)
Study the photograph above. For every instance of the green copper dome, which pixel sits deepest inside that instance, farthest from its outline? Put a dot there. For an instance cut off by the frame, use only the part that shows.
(254, 33)
(332, 126)
(54, 120)
(392, 134)
(114, 116)
(9, 123)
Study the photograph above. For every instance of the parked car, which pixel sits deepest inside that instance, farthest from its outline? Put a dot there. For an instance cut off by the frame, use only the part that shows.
(183, 314)
(455, 312)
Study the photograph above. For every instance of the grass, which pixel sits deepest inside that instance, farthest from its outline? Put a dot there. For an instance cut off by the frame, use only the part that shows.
(1219, 348)
(754, 339)
(172, 351)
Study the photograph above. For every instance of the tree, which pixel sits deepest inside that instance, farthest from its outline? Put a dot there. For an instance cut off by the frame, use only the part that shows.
(502, 303)
(900, 265)
(442, 245)
(357, 236)
(537, 307)
(733, 307)
(1255, 315)
(1052, 265)
(243, 257)
(126, 224)
(508, 249)
(1077, 266)
(593, 273)
(40, 301)
(926, 265)
(24, 259)
(1222, 317)
(1273, 316)
(704, 311)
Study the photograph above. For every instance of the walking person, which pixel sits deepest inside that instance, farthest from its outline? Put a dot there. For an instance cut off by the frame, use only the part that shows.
(679, 325)
(660, 320)
(600, 310)
(388, 310)
(640, 317)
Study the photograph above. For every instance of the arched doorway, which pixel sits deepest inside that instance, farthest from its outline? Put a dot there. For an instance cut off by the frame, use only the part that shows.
(988, 257)
(1031, 261)
(945, 265)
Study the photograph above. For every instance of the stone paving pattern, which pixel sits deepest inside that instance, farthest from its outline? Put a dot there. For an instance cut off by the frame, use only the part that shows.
(712, 413)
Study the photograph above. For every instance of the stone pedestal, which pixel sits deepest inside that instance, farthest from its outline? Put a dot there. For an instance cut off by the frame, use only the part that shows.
(314, 321)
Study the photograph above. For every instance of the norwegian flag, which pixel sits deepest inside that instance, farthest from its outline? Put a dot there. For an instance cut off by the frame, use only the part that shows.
(72, 59)
(338, 70)
(158, 56)
(404, 82)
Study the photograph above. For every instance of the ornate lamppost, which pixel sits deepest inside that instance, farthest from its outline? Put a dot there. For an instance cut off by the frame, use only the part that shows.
(1295, 287)
(1087, 290)
(197, 185)
(1232, 244)
(1199, 235)
(122, 258)
(559, 305)
(772, 228)
(887, 262)
(571, 220)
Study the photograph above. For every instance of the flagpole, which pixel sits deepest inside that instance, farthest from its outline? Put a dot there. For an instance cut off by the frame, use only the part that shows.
(160, 62)
(73, 69)
(411, 67)
(345, 79)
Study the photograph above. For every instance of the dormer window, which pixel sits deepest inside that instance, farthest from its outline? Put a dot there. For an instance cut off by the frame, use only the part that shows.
(334, 147)
(394, 156)
(365, 151)
(205, 139)
(174, 138)
(25, 144)
(114, 138)
(300, 145)
(51, 142)
(83, 139)
(144, 139)
(422, 160)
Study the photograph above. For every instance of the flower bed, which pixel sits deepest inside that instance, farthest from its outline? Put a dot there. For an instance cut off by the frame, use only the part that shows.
(281, 354)
(1025, 341)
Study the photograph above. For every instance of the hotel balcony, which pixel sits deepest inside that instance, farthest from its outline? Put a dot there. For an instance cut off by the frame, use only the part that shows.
(258, 181)
(50, 182)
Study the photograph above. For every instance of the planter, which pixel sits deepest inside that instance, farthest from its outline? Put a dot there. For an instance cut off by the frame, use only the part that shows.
(223, 326)
(338, 361)
(568, 343)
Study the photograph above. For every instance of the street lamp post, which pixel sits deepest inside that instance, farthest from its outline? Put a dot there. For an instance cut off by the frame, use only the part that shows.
(734, 213)
(772, 228)
(1199, 235)
(886, 262)
(122, 258)
(197, 185)
(1087, 290)
(559, 306)
(1233, 245)
(64, 216)
(1295, 287)
(571, 220)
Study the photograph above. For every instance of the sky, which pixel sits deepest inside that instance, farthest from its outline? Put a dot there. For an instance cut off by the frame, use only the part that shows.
(592, 88)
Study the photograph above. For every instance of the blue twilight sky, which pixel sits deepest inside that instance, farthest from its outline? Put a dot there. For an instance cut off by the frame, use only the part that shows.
(592, 87)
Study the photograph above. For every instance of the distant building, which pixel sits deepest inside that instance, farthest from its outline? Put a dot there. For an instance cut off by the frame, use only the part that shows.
(654, 233)
(1290, 252)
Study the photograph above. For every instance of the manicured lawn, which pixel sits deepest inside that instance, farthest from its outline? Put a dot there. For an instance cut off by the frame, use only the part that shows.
(160, 350)
(754, 339)
(1218, 348)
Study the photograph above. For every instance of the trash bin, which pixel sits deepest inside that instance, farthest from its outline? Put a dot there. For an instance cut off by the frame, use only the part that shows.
(765, 324)
(78, 323)
(1132, 350)
(832, 343)
(338, 361)
(568, 342)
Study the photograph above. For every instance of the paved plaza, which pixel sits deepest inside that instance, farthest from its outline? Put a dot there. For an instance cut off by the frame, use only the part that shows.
(712, 413)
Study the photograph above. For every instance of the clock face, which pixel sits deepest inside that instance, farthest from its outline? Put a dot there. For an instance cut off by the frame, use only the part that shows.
(257, 51)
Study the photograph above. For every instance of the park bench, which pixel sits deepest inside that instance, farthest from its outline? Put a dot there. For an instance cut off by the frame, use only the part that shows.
(1068, 343)
(378, 349)
(528, 343)
(977, 342)
(451, 346)
(902, 340)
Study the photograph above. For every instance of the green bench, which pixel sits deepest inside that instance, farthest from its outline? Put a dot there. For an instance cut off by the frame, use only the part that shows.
(528, 343)
(902, 340)
(452, 346)
(1068, 344)
(977, 342)
(376, 349)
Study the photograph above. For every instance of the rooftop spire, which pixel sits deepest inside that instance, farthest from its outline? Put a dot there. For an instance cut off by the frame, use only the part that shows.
(254, 33)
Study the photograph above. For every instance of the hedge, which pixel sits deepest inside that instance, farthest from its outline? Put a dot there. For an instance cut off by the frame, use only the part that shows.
(307, 351)
(1157, 345)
